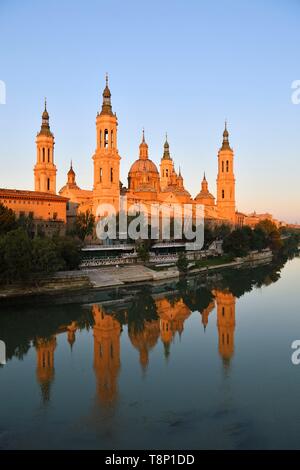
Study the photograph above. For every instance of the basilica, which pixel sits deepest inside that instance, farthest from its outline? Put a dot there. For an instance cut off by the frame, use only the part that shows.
(147, 184)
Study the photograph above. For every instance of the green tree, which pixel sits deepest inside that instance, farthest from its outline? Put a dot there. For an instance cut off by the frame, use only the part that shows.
(27, 224)
(84, 225)
(143, 249)
(45, 256)
(7, 220)
(237, 243)
(17, 256)
(69, 251)
(267, 226)
(222, 231)
(182, 263)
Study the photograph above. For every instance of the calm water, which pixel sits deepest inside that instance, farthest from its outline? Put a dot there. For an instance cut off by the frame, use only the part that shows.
(203, 363)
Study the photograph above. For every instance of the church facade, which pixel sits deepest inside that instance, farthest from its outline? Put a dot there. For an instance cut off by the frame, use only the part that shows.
(147, 184)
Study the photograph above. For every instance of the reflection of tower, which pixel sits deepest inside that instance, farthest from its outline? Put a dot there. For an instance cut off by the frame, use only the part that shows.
(225, 322)
(106, 354)
(45, 365)
(145, 340)
(205, 314)
(172, 318)
(71, 334)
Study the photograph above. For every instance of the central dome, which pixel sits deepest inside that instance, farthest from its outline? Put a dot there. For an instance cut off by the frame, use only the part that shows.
(141, 166)
(143, 174)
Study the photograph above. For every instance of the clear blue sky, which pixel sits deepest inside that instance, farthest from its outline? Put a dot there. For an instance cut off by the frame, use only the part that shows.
(180, 66)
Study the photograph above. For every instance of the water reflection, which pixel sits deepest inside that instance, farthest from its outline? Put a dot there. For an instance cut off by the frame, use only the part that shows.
(148, 315)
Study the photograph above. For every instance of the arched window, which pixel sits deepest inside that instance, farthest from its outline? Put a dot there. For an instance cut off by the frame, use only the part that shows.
(223, 311)
(223, 194)
(227, 166)
(105, 138)
(167, 173)
(111, 175)
(222, 167)
(48, 184)
(43, 154)
(100, 175)
(48, 155)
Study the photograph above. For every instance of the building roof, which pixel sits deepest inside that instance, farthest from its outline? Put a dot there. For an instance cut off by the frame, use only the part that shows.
(24, 194)
(141, 166)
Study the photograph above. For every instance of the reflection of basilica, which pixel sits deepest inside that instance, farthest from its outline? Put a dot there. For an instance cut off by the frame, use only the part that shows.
(167, 318)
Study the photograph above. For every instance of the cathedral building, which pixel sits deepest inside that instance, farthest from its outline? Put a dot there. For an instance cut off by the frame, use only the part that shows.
(147, 184)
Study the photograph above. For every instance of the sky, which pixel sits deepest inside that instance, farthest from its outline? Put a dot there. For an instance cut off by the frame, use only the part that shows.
(176, 66)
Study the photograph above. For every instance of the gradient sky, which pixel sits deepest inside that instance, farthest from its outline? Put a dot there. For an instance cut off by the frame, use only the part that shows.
(180, 66)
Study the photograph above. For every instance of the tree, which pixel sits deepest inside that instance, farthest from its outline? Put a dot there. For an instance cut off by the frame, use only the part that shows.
(84, 225)
(222, 231)
(182, 263)
(7, 220)
(69, 251)
(17, 255)
(237, 243)
(26, 222)
(45, 256)
(143, 249)
(272, 234)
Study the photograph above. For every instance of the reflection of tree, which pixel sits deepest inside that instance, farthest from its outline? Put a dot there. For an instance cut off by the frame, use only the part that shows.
(244, 280)
(141, 310)
(195, 299)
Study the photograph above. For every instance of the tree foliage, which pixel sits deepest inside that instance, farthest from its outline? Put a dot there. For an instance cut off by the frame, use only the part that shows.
(84, 225)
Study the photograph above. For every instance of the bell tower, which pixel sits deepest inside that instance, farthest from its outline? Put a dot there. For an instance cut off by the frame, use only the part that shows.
(45, 169)
(106, 158)
(226, 180)
(166, 166)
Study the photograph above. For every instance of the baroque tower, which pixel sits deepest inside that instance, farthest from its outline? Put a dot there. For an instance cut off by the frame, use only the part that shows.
(106, 158)
(166, 167)
(226, 180)
(45, 170)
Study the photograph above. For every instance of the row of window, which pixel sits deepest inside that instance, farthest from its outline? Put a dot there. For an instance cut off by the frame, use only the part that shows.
(44, 154)
(104, 139)
(31, 214)
(15, 201)
(227, 166)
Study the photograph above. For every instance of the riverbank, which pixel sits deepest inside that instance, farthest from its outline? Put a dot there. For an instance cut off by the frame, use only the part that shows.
(116, 276)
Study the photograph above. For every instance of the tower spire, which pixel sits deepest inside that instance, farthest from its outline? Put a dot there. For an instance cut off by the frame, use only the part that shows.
(225, 143)
(106, 104)
(166, 155)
